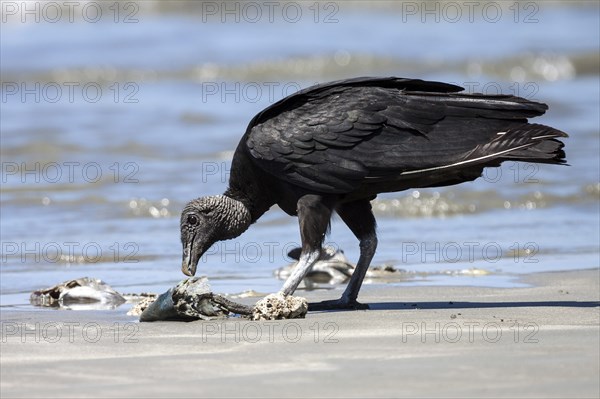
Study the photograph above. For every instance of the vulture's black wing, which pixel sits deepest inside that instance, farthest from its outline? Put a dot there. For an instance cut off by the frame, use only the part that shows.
(337, 137)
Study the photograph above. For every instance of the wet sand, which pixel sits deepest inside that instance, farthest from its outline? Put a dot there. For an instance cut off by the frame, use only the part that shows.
(541, 341)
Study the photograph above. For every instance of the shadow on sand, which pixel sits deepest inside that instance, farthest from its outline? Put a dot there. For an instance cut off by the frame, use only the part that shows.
(471, 305)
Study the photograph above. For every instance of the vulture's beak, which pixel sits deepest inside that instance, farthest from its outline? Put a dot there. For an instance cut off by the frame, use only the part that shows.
(191, 256)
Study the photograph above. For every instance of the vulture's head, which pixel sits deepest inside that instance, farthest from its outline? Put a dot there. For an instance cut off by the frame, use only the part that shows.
(207, 220)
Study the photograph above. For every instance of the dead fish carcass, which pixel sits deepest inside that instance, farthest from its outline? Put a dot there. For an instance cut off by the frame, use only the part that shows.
(332, 268)
(82, 293)
(191, 299)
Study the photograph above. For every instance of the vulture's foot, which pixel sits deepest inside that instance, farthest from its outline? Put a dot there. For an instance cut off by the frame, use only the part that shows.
(337, 304)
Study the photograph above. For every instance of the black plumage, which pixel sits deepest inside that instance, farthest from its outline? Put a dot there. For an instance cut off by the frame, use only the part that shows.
(335, 146)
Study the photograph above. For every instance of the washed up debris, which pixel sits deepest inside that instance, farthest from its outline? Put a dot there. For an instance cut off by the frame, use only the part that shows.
(334, 268)
(141, 305)
(139, 297)
(246, 294)
(385, 271)
(81, 293)
(473, 272)
(277, 306)
(192, 299)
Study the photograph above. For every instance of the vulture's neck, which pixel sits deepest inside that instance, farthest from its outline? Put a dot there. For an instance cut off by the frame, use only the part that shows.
(249, 186)
(232, 216)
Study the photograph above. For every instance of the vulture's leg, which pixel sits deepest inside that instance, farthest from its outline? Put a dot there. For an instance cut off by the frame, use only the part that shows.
(314, 214)
(359, 218)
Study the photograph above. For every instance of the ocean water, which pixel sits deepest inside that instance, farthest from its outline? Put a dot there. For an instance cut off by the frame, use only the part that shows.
(114, 115)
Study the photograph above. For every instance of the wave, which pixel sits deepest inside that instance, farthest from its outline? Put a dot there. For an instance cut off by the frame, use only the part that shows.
(525, 67)
(413, 204)
(420, 204)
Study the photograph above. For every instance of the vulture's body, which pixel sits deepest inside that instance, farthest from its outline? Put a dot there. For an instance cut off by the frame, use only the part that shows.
(334, 147)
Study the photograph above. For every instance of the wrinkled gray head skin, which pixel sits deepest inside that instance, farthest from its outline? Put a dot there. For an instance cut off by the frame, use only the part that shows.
(207, 220)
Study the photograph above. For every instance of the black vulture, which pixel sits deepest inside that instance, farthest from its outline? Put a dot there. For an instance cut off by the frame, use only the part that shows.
(335, 146)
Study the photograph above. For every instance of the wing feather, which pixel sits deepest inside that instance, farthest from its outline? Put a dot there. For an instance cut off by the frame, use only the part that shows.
(333, 138)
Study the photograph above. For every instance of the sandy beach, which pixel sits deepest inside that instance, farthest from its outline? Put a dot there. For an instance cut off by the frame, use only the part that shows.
(116, 114)
(541, 341)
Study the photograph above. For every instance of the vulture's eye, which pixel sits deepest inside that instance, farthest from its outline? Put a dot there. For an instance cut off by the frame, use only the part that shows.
(192, 220)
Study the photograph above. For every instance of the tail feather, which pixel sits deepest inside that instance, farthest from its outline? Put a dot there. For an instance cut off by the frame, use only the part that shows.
(528, 142)
(548, 151)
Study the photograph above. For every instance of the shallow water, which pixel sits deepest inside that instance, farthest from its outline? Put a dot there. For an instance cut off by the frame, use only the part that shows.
(107, 129)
